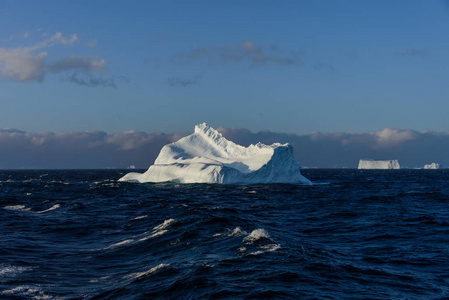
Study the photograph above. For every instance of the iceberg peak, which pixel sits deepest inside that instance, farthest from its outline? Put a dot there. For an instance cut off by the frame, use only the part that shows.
(204, 128)
(207, 157)
(217, 141)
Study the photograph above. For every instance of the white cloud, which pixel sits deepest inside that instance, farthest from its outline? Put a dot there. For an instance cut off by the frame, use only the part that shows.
(245, 51)
(389, 137)
(59, 38)
(28, 63)
(92, 43)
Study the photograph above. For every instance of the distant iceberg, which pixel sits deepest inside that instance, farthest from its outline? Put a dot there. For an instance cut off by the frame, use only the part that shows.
(378, 164)
(432, 166)
(207, 157)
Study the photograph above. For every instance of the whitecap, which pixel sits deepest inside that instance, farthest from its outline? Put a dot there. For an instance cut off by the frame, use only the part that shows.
(142, 274)
(30, 292)
(256, 235)
(158, 230)
(267, 248)
(157, 233)
(236, 232)
(124, 242)
(165, 224)
(56, 206)
(140, 217)
(17, 207)
(10, 271)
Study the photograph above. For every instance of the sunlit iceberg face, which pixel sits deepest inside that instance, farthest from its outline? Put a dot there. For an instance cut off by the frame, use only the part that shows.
(207, 157)
(379, 164)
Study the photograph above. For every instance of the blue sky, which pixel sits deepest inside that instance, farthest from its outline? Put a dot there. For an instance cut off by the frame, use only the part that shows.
(284, 66)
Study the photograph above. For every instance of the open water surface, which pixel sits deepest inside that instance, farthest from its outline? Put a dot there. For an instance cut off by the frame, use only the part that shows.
(80, 234)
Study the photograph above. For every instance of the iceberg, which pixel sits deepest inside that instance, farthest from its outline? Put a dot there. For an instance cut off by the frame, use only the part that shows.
(378, 164)
(432, 166)
(207, 157)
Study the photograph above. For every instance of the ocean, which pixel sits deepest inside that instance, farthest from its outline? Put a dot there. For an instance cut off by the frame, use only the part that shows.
(353, 234)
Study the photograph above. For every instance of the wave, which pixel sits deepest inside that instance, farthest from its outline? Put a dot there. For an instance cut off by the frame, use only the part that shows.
(256, 235)
(121, 243)
(213, 241)
(11, 271)
(267, 248)
(165, 224)
(28, 292)
(157, 231)
(17, 207)
(56, 206)
(253, 241)
(236, 232)
(139, 275)
(24, 208)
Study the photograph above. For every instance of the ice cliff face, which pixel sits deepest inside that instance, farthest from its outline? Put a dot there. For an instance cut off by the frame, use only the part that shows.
(207, 157)
(378, 164)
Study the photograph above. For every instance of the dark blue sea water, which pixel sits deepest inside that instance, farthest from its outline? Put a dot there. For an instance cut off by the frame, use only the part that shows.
(353, 234)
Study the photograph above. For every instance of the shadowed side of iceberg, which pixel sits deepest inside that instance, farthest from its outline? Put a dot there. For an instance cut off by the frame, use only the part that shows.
(281, 168)
(207, 157)
(183, 173)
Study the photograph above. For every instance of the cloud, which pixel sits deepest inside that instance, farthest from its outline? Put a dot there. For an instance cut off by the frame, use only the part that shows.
(97, 149)
(11, 130)
(246, 51)
(28, 63)
(85, 149)
(391, 137)
(87, 79)
(183, 81)
(8, 39)
(59, 38)
(92, 43)
(414, 52)
(19, 65)
(77, 62)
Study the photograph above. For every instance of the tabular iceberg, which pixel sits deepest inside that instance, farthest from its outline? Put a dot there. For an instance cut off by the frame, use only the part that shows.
(378, 164)
(207, 157)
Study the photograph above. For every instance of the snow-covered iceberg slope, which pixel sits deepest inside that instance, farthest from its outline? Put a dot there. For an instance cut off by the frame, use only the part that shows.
(207, 157)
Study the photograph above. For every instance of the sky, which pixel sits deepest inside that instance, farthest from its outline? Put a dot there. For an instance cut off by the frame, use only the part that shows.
(289, 67)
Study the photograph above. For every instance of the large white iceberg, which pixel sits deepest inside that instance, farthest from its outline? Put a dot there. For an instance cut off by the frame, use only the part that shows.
(207, 157)
(432, 166)
(378, 164)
